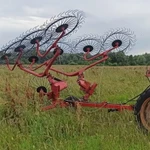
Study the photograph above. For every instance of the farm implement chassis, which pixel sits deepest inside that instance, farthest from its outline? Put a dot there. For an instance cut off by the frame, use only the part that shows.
(29, 46)
(58, 85)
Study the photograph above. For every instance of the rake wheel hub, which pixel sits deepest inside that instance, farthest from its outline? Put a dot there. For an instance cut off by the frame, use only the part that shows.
(88, 48)
(61, 28)
(117, 43)
(19, 48)
(33, 41)
(31, 58)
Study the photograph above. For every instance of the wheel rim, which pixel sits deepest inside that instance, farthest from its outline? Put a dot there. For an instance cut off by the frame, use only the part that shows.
(145, 114)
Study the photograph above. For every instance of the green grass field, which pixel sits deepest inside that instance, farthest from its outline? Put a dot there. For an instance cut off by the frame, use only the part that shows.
(24, 127)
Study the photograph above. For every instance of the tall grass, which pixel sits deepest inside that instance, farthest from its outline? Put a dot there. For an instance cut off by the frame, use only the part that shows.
(24, 127)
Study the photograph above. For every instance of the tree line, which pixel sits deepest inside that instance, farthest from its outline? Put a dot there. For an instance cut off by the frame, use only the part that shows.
(115, 59)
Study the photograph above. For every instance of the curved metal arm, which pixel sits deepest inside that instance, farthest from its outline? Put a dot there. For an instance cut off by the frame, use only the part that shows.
(53, 46)
(48, 64)
(80, 72)
(45, 63)
(30, 71)
(16, 63)
(98, 55)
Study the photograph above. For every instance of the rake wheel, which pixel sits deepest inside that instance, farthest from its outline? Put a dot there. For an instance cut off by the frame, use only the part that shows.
(88, 42)
(10, 50)
(123, 38)
(68, 21)
(30, 37)
(39, 83)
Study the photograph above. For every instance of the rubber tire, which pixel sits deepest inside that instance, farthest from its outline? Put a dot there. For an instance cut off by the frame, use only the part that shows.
(139, 106)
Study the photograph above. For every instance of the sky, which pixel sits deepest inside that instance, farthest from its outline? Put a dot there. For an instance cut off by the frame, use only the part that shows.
(17, 16)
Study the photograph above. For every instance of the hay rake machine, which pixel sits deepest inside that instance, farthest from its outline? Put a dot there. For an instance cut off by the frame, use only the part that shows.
(42, 46)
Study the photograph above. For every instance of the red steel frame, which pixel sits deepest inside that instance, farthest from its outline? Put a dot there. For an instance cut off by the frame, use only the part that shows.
(58, 85)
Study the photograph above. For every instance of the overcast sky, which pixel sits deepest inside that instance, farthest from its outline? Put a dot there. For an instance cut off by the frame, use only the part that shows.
(17, 16)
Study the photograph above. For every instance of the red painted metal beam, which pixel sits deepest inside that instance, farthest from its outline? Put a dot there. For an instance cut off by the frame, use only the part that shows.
(119, 107)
